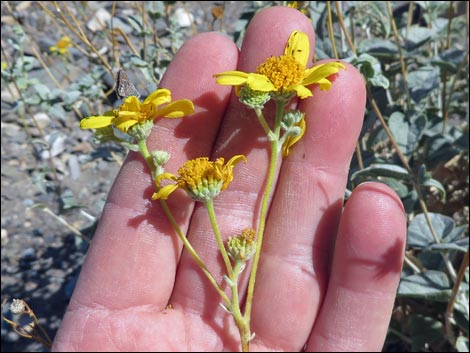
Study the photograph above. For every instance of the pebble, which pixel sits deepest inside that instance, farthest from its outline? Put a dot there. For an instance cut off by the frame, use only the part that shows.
(99, 20)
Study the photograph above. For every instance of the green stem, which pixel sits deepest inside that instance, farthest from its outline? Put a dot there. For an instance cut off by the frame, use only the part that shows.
(242, 324)
(210, 210)
(233, 275)
(146, 154)
(263, 122)
(193, 252)
(264, 208)
(148, 158)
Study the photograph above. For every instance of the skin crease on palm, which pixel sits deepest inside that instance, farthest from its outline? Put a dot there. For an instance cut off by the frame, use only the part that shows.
(328, 275)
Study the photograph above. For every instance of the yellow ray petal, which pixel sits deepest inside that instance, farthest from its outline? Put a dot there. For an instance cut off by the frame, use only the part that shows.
(228, 168)
(298, 47)
(259, 82)
(177, 109)
(317, 73)
(164, 192)
(325, 84)
(159, 97)
(162, 176)
(302, 91)
(95, 122)
(236, 159)
(131, 103)
(124, 124)
(231, 78)
(291, 141)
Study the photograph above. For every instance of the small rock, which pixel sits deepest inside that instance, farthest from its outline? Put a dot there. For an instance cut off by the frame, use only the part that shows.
(184, 18)
(4, 237)
(42, 119)
(10, 130)
(57, 143)
(28, 254)
(74, 167)
(99, 20)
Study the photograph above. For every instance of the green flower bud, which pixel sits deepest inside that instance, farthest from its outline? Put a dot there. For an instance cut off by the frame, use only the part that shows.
(253, 99)
(141, 131)
(242, 247)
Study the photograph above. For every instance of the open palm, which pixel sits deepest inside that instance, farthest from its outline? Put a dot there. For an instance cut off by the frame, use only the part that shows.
(327, 277)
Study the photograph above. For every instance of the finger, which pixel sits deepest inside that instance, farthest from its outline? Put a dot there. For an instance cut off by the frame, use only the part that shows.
(236, 207)
(305, 214)
(365, 274)
(133, 256)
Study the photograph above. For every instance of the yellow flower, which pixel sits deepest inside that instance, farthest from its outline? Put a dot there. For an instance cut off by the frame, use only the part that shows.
(62, 45)
(285, 74)
(133, 112)
(202, 179)
(302, 6)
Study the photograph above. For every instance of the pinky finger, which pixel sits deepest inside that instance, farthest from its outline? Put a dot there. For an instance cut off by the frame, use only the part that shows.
(365, 273)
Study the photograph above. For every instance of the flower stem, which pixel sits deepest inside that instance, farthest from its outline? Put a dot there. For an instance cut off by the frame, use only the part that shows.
(210, 210)
(264, 209)
(233, 275)
(146, 154)
(193, 252)
(241, 322)
(148, 158)
(263, 122)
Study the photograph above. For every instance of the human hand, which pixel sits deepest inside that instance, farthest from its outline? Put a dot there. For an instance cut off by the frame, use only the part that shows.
(327, 278)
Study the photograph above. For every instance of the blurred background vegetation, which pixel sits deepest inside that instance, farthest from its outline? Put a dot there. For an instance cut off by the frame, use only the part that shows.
(58, 64)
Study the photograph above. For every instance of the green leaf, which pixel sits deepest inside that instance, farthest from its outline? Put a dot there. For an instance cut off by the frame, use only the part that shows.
(370, 67)
(422, 81)
(430, 285)
(405, 132)
(449, 59)
(154, 15)
(70, 97)
(42, 91)
(455, 234)
(57, 111)
(397, 186)
(382, 170)
(417, 36)
(437, 184)
(380, 81)
(419, 234)
(458, 245)
(136, 23)
(136, 61)
(377, 47)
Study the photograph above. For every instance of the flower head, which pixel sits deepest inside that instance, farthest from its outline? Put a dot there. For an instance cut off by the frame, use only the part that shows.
(133, 112)
(202, 179)
(62, 46)
(242, 247)
(286, 74)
